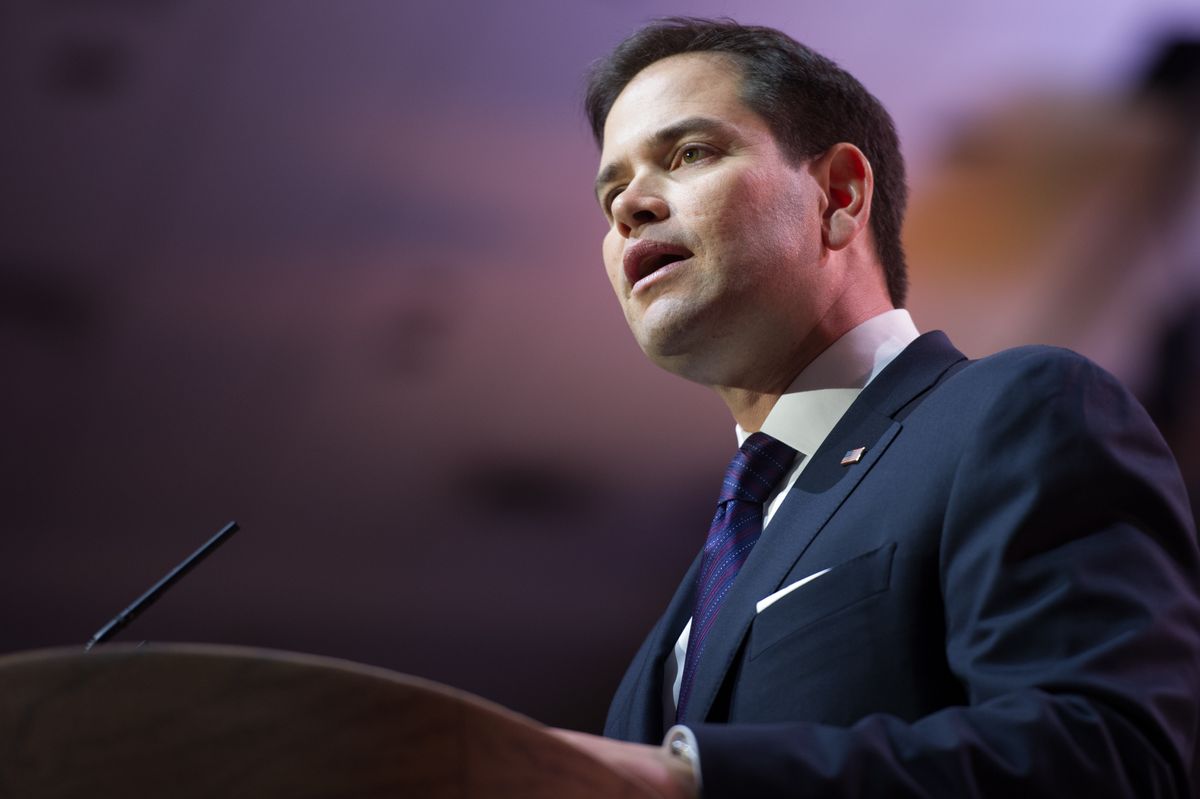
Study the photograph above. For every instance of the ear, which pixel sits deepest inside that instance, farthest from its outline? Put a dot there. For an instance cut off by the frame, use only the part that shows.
(844, 174)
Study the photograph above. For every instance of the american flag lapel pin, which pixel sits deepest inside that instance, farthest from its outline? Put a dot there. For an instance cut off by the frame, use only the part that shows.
(853, 456)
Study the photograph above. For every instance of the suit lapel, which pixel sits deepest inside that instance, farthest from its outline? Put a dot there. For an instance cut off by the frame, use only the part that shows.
(821, 489)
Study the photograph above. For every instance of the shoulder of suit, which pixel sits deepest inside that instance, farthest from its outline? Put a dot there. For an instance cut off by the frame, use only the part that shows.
(1037, 364)
(1051, 382)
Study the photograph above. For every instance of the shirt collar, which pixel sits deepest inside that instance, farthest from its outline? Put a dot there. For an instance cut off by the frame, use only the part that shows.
(827, 387)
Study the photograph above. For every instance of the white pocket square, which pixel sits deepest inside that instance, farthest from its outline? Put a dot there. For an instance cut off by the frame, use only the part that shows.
(768, 601)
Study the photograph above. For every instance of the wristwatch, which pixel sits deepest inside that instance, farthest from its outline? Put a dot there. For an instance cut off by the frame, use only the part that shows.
(680, 743)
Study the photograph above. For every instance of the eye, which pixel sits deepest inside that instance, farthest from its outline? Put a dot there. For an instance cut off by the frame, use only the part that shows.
(692, 154)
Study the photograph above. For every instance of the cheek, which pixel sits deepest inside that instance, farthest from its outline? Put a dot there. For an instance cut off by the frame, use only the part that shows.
(611, 252)
(769, 219)
(727, 206)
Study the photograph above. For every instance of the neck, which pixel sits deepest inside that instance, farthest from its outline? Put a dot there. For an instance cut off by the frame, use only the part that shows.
(751, 401)
(749, 408)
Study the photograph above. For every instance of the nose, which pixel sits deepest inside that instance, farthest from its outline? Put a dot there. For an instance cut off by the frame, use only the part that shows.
(638, 205)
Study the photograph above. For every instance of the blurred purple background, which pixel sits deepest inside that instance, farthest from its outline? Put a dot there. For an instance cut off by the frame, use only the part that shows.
(332, 269)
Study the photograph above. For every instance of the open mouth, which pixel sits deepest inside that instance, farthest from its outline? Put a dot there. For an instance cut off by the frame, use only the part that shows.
(647, 257)
(652, 265)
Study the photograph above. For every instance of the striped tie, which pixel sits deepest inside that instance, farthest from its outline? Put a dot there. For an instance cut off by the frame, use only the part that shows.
(752, 474)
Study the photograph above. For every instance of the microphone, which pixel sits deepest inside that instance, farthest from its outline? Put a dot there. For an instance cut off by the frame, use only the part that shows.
(150, 597)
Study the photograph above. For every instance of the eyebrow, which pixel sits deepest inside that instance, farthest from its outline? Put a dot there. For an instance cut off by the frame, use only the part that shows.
(675, 130)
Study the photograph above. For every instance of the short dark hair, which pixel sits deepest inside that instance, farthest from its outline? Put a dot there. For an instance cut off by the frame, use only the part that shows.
(808, 101)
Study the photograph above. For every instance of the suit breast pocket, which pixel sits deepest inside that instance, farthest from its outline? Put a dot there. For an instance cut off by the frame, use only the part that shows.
(843, 585)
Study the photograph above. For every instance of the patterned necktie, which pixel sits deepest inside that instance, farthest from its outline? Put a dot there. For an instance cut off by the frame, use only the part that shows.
(752, 475)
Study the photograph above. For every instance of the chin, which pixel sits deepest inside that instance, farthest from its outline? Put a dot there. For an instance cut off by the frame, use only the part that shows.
(696, 364)
(689, 338)
(663, 343)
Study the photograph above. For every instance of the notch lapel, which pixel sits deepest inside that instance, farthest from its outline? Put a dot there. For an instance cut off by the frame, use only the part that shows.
(871, 422)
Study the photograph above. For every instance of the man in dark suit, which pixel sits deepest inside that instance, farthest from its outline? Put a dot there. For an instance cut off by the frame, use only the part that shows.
(927, 576)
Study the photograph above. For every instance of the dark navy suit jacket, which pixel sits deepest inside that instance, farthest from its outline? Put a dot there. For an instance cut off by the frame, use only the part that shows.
(1011, 608)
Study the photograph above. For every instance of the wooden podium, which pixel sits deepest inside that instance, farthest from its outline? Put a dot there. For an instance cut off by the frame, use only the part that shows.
(214, 721)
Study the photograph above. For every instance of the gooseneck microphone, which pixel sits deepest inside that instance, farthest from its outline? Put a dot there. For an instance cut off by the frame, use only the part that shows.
(150, 597)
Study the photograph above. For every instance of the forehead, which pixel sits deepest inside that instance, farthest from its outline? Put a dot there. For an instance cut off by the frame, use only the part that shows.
(680, 86)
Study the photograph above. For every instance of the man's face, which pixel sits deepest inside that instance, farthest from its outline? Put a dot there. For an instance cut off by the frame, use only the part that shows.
(714, 246)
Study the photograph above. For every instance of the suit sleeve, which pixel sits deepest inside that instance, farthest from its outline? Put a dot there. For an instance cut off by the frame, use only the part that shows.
(1069, 576)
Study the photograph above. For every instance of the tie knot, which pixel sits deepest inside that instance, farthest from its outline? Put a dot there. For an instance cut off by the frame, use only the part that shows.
(757, 468)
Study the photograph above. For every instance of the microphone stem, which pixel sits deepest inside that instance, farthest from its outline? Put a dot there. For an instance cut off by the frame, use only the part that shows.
(150, 597)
